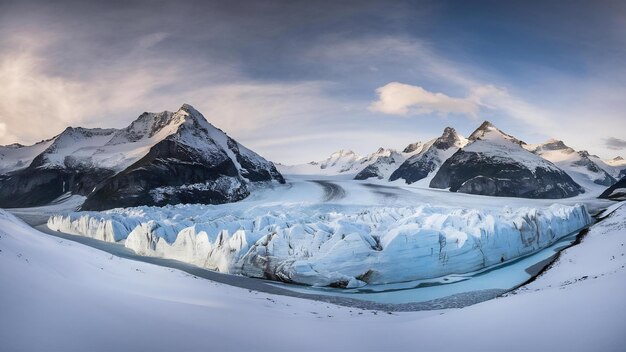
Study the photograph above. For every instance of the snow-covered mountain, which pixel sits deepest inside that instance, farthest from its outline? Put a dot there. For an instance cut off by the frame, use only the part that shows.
(379, 164)
(15, 156)
(495, 163)
(618, 161)
(429, 156)
(160, 158)
(339, 162)
(578, 165)
(615, 167)
(617, 191)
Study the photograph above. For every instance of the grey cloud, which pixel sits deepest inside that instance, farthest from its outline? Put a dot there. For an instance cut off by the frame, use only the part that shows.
(615, 143)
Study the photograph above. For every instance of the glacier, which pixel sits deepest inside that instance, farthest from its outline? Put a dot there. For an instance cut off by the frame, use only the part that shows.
(338, 246)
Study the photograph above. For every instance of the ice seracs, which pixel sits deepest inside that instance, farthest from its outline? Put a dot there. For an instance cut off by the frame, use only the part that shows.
(346, 247)
(496, 164)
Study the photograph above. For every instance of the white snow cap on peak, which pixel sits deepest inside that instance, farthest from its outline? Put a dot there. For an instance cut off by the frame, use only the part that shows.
(343, 152)
(488, 131)
(190, 109)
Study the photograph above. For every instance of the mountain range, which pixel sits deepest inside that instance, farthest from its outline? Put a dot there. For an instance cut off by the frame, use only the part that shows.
(488, 162)
(179, 157)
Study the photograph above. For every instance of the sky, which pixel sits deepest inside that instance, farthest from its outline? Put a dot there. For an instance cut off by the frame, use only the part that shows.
(297, 80)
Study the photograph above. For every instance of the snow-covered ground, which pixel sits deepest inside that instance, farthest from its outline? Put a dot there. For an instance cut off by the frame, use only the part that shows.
(58, 295)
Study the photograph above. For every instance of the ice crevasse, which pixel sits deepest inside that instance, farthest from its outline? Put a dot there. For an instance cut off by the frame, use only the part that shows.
(343, 246)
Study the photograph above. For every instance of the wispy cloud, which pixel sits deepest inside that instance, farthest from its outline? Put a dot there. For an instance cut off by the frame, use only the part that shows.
(38, 102)
(431, 83)
(403, 99)
(615, 143)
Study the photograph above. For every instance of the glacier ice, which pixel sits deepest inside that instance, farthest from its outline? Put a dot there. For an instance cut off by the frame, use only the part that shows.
(342, 246)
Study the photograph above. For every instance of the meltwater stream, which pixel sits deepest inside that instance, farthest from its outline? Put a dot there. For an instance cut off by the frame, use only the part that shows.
(491, 281)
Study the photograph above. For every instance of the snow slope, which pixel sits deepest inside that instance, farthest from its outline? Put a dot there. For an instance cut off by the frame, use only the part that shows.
(349, 246)
(615, 167)
(339, 162)
(347, 163)
(578, 165)
(381, 164)
(62, 296)
(16, 156)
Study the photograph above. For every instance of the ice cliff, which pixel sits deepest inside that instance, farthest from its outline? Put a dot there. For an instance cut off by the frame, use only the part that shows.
(331, 246)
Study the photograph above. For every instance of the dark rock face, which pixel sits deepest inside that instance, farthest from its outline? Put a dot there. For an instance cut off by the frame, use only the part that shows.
(474, 173)
(168, 164)
(420, 165)
(412, 147)
(416, 168)
(616, 191)
(34, 186)
(368, 172)
(374, 170)
(251, 170)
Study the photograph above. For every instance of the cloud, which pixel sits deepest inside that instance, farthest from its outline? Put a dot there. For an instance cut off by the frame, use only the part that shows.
(39, 102)
(151, 40)
(408, 100)
(34, 104)
(615, 143)
(403, 99)
(389, 55)
(499, 100)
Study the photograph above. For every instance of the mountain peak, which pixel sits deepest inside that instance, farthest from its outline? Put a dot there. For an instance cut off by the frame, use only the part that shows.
(190, 109)
(554, 144)
(488, 131)
(193, 116)
(482, 130)
(412, 147)
(449, 133)
(448, 139)
(342, 152)
(618, 158)
(449, 130)
(486, 125)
